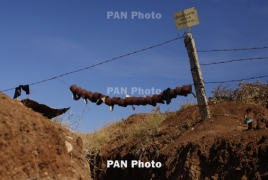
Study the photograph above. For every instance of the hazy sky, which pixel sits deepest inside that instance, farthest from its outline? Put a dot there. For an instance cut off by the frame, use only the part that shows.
(45, 38)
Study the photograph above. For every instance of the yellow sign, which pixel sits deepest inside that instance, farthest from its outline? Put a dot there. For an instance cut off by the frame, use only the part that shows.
(186, 18)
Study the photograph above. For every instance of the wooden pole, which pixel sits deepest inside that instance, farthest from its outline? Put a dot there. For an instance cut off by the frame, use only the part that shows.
(197, 76)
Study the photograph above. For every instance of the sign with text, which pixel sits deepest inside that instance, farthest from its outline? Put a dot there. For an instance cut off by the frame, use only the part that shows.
(186, 18)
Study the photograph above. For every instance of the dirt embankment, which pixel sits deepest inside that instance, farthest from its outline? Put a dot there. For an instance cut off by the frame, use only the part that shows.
(219, 148)
(33, 147)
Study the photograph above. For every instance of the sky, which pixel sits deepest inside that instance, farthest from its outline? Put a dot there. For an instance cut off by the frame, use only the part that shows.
(46, 38)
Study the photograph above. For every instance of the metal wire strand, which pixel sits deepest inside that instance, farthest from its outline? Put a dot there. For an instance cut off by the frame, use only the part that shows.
(240, 49)
(236, 80)
(71, 72)
(236, 60)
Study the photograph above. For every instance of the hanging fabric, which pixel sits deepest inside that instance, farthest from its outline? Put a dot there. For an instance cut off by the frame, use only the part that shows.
(25, 88)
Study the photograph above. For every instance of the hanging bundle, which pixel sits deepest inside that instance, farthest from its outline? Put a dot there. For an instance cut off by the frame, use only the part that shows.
(99, 98)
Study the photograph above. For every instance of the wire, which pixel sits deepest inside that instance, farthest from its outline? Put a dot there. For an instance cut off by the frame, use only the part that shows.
(151, 47)
(241, 49)
(62, 81)
(246, 59)
(235, 80)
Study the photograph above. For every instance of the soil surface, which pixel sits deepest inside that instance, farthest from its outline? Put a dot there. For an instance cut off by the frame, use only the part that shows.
(33, 147)
(222, 147)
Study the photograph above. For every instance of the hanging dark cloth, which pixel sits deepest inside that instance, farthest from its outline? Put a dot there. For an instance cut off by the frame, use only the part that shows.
(25, 88)
(166, 95)
(45, 110)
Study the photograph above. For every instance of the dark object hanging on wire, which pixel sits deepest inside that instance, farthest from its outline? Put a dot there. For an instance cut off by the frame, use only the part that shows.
(166, 95)
(45, 110)
(98, 98)
(25, 88)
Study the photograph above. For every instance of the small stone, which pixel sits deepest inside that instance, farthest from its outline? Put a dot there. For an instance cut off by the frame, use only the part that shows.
(69, 146)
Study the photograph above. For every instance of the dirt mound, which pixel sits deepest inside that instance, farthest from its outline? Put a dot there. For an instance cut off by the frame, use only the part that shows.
(33, 147)
(219, 148)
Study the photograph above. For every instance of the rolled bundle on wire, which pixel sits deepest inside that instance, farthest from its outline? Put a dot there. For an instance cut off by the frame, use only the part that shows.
(140, 101)
(89, 95)
(95, 96)
(184, 90)
(99, 98)
(73, 87)
(83, 95)
(172, 94)
(178, 91)
(134, 101)
(121, 102)
(115, 100)
(157, 99)
(128, 101)
(111, 102)
(76, 90)
(108, 101)
(102, 99)
(161, 96)
(149, 100)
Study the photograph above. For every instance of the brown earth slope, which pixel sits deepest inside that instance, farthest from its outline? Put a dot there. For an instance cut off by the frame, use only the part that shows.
(33, 147)
(218, 148)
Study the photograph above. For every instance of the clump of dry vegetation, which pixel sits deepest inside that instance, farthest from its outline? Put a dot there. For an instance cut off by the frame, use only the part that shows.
(186, 104)
(222, 92)
(247, 93)
(120, 132)
(253, 93)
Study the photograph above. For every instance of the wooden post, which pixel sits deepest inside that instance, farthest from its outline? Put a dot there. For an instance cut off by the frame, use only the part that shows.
(197, 76)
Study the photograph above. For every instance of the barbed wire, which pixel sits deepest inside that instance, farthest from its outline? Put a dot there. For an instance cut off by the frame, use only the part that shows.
(118, 57)
(240, 49)
(237, 80)
(245, 59)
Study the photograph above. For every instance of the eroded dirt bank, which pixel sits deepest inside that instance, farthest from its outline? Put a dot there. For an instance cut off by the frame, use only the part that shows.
(218, 148)
(33, 147)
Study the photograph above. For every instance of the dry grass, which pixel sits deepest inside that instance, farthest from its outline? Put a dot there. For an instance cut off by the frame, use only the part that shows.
(247, 93)
(253, 93)
(186, 104)
(223, 92)
(71, 120)
(120, 133)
